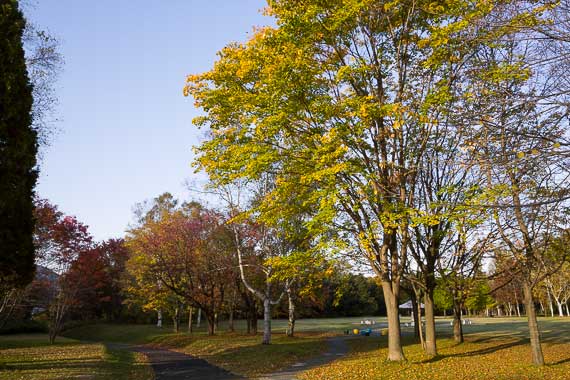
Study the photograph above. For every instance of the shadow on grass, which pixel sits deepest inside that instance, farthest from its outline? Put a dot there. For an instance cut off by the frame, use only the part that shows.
(482, 351)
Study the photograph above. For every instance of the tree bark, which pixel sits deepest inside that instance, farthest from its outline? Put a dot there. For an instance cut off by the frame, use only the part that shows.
(159, 319)
(560, 311)
(231, 327)
(266, 321)
(431, 346)
(457, 327)
(211, 323)
(537, 356)
(176, 319)
(190, 312)
(416, 316)
(291, 321)
(395, 352)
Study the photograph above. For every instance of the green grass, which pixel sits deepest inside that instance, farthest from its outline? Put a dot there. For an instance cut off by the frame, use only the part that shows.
(237, 352)
(495, 349)
(30, 356)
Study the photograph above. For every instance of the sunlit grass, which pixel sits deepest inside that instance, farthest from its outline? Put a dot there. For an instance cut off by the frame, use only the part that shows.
(495, 349)
(30, 356)
(237, 352)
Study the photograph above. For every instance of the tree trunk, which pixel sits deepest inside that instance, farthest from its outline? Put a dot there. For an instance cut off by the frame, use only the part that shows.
(395, 352)
(431, 346)
(198, 318)
(266, 321)
(291, 322)
(550, 304)
(560, 311)
(416, 316)
(159, 319)
(252, 318)
(231, 327)
(210, 317)
(176, 319)
(537, 356)
(457, 327)
(216, 323)
(190, 311)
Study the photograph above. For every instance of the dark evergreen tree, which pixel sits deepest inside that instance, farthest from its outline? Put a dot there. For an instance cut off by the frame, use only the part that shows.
(18, 149)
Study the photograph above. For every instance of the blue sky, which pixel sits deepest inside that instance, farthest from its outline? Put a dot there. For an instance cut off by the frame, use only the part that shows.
(126, 132)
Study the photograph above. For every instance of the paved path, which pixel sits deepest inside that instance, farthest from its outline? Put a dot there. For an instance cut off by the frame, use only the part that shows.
(172, 365)
(337, 348)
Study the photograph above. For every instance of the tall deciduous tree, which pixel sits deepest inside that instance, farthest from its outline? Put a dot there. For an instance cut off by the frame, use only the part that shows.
(18, 149)
(338, 103)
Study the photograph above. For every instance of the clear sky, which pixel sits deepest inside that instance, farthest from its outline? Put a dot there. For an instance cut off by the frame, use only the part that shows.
(126, 132)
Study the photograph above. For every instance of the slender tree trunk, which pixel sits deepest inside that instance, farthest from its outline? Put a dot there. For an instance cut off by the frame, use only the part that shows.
(253, 311)
(190, 312)
(159, 319)
(231, 316)
(537, 356)
(395, 352)
(266, 321)
(215, 323)
(416, 316)
(199, 318)
(550, 305)
(176, 319)
(291, 322)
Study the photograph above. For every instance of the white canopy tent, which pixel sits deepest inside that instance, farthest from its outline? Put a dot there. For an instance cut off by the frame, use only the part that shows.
(408, 305)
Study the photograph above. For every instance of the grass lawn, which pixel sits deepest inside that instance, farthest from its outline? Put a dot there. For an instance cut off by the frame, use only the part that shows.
(30, 356)
(494, 349)
(237, 352)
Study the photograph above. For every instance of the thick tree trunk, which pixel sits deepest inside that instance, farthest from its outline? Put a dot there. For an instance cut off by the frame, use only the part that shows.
(537, 356)
(291, 322)
(457, 327)
(190, 312)
(395, 352)
(431, 346)
(266, 321)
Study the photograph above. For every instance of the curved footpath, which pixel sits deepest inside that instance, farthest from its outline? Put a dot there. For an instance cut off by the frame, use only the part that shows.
(173, 365)
(337, 348)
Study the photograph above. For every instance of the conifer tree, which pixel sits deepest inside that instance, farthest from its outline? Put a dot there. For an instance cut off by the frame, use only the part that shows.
(18, 148)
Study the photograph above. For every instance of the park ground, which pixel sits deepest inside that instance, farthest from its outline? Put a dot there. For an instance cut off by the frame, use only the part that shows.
(494, 349)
